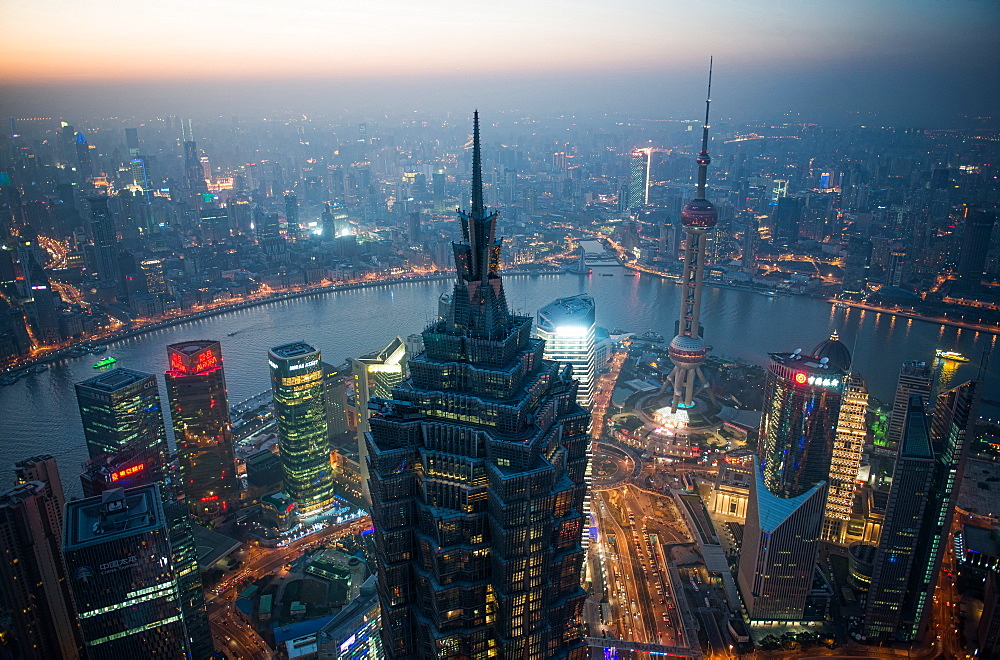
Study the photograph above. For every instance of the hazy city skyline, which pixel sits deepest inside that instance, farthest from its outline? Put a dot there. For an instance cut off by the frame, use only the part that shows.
(920, 63)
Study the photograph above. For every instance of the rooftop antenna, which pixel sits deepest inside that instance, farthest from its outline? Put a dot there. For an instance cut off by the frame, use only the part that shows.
(703, 158)
(478, 211)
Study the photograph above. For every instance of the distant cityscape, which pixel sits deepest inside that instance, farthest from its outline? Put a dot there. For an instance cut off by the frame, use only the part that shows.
(500, 483)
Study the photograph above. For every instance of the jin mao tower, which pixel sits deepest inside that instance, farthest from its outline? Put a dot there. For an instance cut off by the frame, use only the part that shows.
(477, 467)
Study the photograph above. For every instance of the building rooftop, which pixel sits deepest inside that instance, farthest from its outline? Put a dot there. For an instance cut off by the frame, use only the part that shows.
(191, 347)
(114, 380)
(571, 312)
(113, 514)
(292, 350)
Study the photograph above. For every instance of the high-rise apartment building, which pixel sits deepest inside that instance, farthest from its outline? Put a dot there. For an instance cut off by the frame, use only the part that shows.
(32, 574)
(297, 383)
(802, 400)
(42, 468)
(477, 469)
(119, 407)
(123, 577)
(567, 326)
(199, 408)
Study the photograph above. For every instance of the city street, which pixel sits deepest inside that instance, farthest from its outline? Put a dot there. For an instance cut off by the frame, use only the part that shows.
(231, 634)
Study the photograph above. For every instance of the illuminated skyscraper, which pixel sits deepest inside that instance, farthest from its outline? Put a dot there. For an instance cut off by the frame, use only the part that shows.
(849, 444)
(920, 513)
(118, 408)
(567, 327)
(199, 408)
(687, 350)
(375, 374)
(477, 469)
(639, 180)
(802, 399)
(297, 383)
(125, 584)
(32, 574)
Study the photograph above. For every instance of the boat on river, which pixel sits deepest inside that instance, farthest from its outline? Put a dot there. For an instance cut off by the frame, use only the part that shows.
(950, 355)
(104, 362)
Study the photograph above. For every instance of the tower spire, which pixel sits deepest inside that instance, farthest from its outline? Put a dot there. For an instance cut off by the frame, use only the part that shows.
(703, 157)
(478, 209)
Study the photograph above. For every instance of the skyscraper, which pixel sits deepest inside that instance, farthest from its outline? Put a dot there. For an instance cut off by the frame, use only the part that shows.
(124, 581)
(914, 378)
(32, 574)
(297, 383)
(639, 180)
(905, 513)
(852, 429)
(199, 408)
(477, 479)
(975, 247)
(375, 374)
(687, 350)
(102, 229)
(567, 326)
(918, 521)
(119, 407)
(42, 468)
(802, 398)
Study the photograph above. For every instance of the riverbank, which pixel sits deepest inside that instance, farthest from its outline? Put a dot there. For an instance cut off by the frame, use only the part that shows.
(978, 327)
(69, 352)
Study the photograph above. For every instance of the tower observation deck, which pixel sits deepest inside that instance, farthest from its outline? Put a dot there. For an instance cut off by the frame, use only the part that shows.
(687, 350)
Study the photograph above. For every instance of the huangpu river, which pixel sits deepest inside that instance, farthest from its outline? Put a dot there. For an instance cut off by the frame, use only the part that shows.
(39, 414)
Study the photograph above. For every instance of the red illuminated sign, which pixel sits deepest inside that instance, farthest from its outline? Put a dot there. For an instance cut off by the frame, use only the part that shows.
(127, 472)
(209, 498)
(801, 378)
(206, 360)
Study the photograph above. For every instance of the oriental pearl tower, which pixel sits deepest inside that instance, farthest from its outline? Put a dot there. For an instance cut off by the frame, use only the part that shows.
(687, 349)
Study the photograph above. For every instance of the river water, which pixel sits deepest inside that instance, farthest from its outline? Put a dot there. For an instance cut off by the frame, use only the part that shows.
(38, 414)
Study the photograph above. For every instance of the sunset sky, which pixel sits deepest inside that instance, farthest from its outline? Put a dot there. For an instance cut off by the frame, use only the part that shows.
(913, 51)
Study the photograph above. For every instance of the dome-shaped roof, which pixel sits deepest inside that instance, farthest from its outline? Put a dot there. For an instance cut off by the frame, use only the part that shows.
(837, 353)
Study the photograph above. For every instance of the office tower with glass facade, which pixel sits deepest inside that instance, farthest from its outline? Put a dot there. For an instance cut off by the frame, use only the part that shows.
(914, 378)
(32, 574)
(919, 519)
(909, 499)
(297, 384)
(477, 466)
(124, 582)
(375, 375)
(120, 407)
(199, 408)
(638, 195)
(852, 429)
(802, 400)
(102, 230)
(335, 398)
(567, 327)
